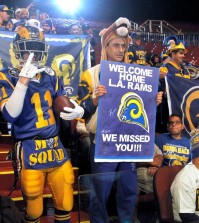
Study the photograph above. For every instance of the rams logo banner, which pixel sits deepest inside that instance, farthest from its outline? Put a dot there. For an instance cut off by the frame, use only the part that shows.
(183, 99)
(126, 114)
(68, 56)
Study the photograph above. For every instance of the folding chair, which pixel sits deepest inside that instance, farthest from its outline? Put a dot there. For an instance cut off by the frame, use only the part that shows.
(162, 183)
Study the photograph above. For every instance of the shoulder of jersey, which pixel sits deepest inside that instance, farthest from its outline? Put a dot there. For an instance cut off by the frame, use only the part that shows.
(49, 71)
(14, 72)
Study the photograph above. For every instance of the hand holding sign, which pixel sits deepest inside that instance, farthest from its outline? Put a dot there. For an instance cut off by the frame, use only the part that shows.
(29, 70)
(100, 90)
(159, 97)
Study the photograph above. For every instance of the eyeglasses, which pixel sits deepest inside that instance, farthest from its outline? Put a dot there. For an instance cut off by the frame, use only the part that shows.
(174, 123)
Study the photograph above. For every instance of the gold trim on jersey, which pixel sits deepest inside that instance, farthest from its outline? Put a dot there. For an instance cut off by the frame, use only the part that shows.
(3, 77)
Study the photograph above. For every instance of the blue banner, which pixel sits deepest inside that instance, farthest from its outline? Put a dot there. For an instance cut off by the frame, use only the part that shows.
(68, 56)
(126, 114)
(183, 99)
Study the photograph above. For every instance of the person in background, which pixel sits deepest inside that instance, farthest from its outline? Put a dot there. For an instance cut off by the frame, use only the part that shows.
(17, 17)
(155, 61)
(176, 52)
(146, 171)
(137, 53)
(174, 146)
(74, 29)
(185, 188)
(47, 26)
(43, 16)
(174, 66)
(86, 29)
(23, 18)
(31, 90)
(5, 15)
(33, 13)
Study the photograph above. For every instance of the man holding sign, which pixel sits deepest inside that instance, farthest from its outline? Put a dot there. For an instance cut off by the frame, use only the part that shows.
(115, 41)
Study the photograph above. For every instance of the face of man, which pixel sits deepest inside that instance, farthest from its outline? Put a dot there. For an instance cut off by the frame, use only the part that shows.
(4, 16)
(136, 41)
(24, 15)
(43, 16)
(36, 58)
(178, 56)
(46, 28)
(156, 59)
(175, 126)
(116, 49)
(17, 15)
(75, 29)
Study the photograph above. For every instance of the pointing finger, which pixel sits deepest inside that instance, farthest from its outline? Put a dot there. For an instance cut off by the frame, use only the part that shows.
(29, 60)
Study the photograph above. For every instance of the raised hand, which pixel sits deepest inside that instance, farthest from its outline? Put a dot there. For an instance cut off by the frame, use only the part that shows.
(29, 70)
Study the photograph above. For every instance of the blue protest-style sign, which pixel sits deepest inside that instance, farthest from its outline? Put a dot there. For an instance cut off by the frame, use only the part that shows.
(127, 113)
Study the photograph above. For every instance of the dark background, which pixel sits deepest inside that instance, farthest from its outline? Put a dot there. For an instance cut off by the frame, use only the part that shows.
(135, 10)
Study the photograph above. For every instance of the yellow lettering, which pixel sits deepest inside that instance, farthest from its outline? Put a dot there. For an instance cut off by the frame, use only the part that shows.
(50, 155)
(36, 100)
(42, 157)
(169, 148)
(40, 144)
(56, 155)
(48, 98)
(33, 159)
(183, 151)
(61, 154)
(177, 157)
(46, 156)
(43, 144)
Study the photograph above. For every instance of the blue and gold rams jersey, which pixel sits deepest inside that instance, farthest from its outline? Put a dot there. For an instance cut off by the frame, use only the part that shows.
(173, 69)
(137, 54)
(36, 118)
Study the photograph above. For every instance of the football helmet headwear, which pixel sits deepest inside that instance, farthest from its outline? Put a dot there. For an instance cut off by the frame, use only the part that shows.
(30, 39)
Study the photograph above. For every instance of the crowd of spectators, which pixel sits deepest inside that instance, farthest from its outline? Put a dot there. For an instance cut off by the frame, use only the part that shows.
(10, 19)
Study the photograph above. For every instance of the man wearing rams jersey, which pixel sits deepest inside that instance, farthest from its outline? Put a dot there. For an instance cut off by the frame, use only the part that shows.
(26, 97)
(176, 52)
